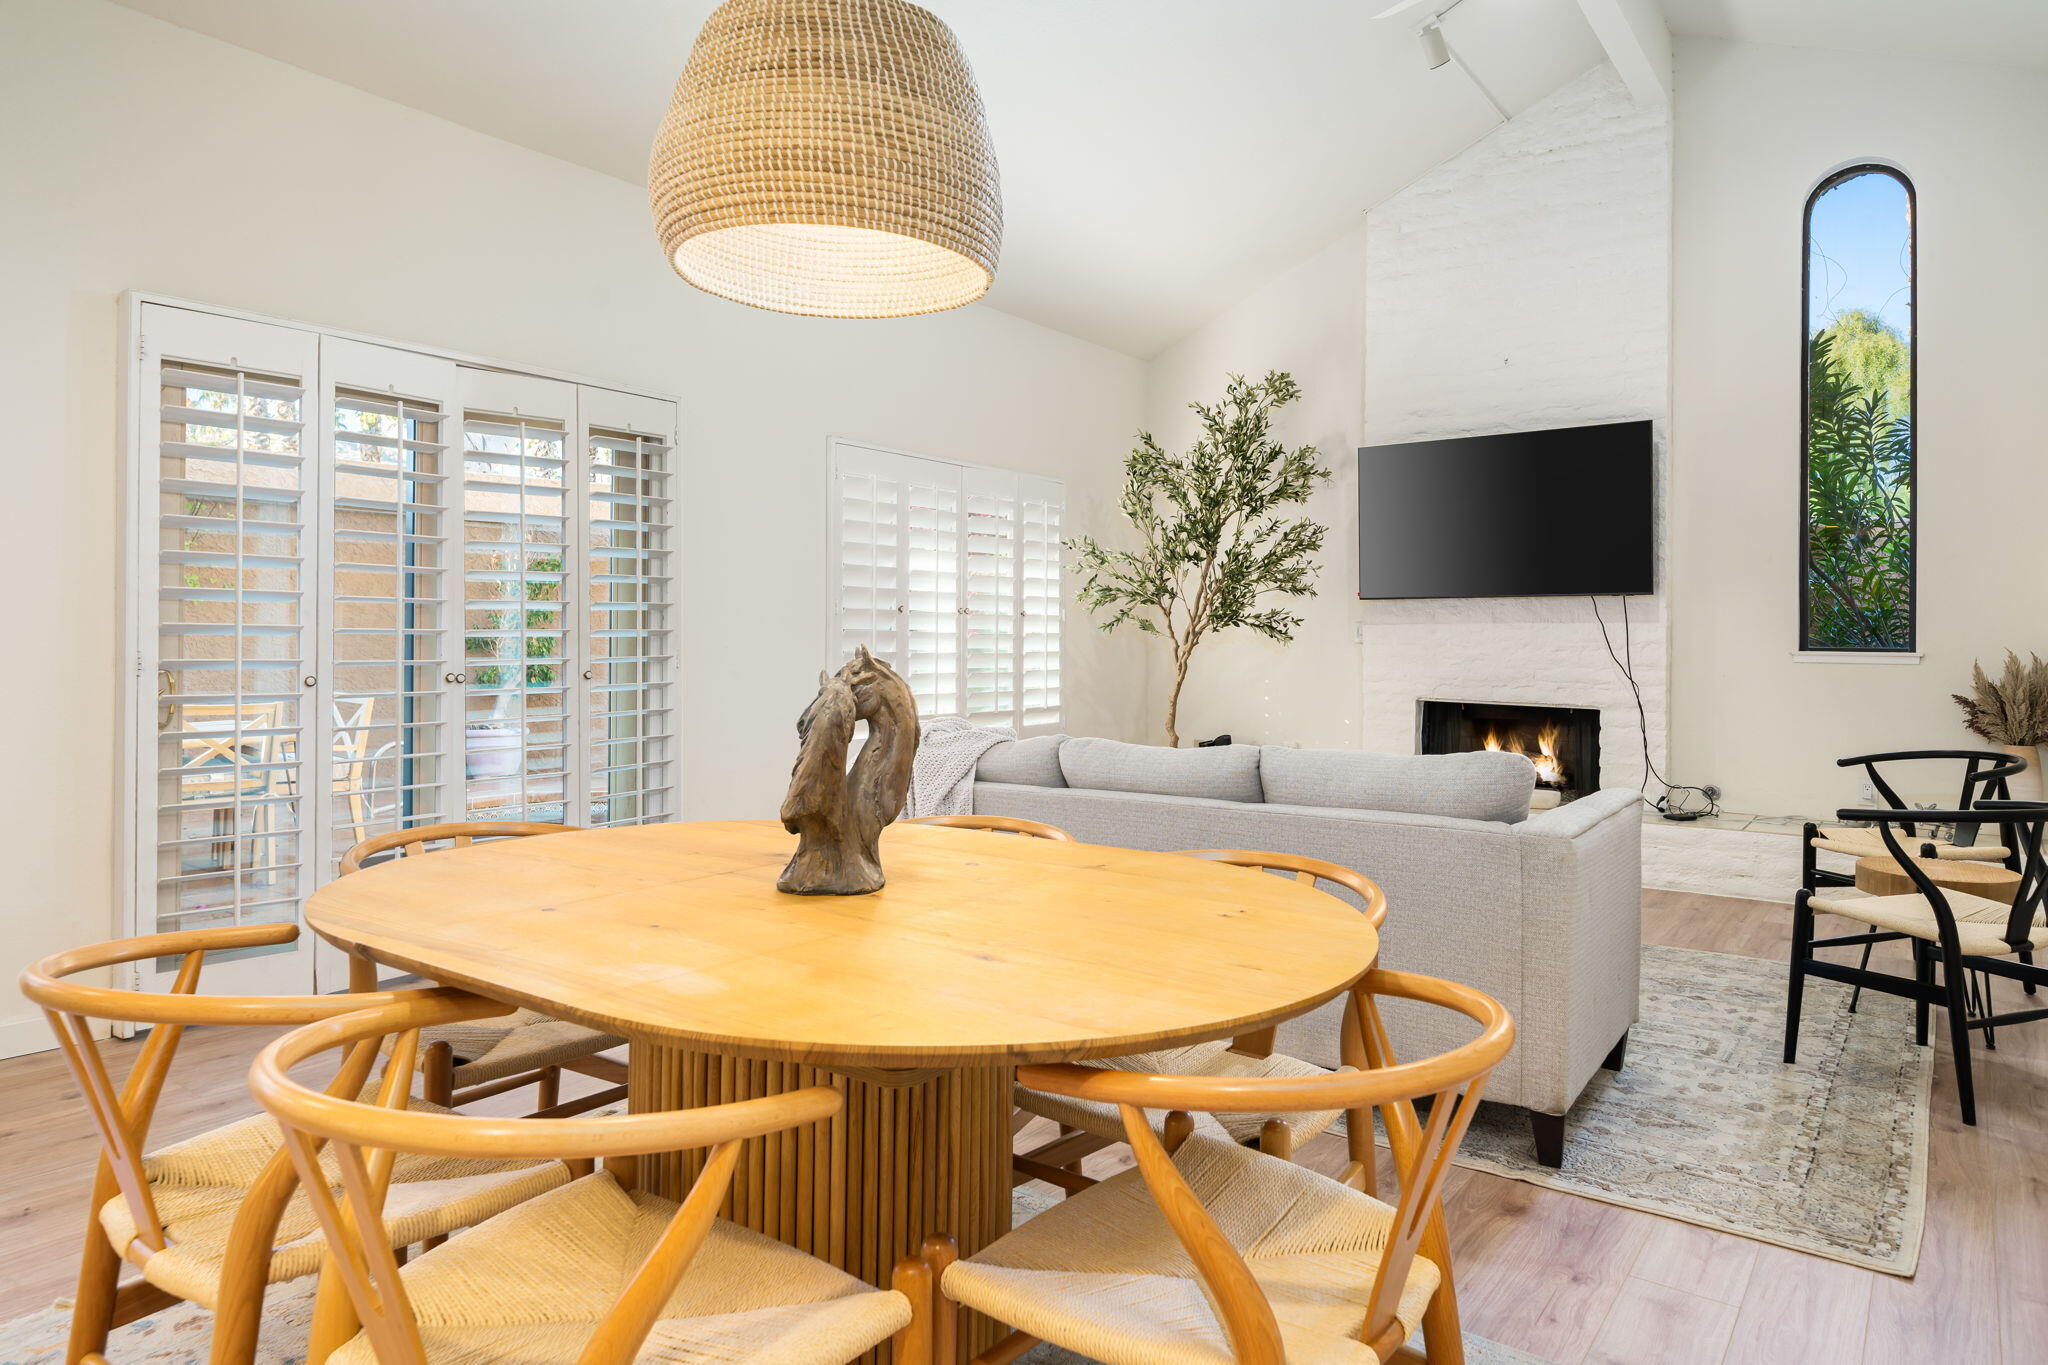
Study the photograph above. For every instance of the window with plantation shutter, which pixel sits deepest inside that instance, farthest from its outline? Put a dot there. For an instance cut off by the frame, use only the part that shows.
(951, 573)
(375, 587)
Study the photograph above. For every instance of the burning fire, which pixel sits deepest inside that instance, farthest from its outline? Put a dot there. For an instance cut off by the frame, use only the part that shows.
(1548, 770)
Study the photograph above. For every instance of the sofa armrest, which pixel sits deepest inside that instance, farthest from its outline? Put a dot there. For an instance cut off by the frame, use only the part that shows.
(1574, 818)
(1582, 899)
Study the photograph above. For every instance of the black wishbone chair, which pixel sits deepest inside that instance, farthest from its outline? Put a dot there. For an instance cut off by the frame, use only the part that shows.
(1985, 774)
(1959, 932)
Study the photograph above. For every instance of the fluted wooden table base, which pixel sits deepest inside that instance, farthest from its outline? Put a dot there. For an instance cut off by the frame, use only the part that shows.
(914, 1153)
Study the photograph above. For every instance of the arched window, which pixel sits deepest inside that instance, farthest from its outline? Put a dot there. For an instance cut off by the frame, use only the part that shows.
(1857, 504)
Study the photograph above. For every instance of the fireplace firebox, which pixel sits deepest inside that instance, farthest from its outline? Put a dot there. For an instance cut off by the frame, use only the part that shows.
(1562, 741)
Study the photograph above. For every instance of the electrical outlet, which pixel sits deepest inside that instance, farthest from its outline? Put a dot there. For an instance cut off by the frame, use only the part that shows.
(1868, 792)
(1713, 793)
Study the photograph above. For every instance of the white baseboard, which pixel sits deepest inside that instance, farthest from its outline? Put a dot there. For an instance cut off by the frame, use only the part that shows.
(29, 1033)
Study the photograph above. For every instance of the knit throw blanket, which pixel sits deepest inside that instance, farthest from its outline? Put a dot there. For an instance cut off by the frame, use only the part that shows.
(942, 775)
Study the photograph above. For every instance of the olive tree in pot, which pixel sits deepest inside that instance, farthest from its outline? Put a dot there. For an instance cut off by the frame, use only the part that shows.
(1217, 535)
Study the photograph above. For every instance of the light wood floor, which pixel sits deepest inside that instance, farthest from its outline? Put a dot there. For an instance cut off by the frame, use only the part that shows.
(1566, 1278)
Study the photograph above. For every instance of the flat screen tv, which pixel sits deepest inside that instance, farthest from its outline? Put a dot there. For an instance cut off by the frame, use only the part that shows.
(1556, 513)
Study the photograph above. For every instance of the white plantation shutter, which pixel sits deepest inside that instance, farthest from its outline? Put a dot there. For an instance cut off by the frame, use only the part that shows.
(220, 565)
(869, 579)
(931, 597)
(989, 563)
(951, 574)
(1041, 598)
(629, 677)
(392, 742)
(373, 588)
(519, 596)
(898, 569)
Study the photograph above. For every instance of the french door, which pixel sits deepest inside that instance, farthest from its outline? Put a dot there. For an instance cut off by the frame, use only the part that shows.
(221, 576)
(373, 588)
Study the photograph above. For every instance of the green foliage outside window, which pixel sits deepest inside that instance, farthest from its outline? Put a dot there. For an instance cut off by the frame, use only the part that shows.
(537, 619)
(1859, 495)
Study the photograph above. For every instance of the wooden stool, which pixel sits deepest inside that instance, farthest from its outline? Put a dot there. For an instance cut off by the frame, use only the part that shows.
(1882, 876)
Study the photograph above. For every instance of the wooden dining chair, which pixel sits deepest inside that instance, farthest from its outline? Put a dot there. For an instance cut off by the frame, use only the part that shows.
(1000, 824)
(600, 1271)
(1088, 1127)
(1211, 1251)
(216, 1218)
(467, 1063)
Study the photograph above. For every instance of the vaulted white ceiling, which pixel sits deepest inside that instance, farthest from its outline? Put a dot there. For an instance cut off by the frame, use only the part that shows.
(1160, 157)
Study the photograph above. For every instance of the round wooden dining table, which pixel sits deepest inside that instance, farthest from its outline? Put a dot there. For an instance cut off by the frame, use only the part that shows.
(983, 952)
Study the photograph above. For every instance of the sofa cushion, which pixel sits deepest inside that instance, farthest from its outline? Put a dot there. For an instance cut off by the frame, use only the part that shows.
(1033, 762)
(1226, 773)
(1477, 786)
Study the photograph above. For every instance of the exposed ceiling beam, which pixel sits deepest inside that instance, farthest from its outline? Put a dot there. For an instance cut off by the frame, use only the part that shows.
(1638, 43)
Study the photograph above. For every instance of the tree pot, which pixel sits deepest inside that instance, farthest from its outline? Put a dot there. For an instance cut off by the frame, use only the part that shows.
(2027, 785)
(493, 749)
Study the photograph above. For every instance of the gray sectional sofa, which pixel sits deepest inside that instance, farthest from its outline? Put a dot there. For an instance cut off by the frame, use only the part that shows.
(1541, 911)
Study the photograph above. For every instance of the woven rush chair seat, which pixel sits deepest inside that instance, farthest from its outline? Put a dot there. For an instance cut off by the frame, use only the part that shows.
(1102, 1273)
(532, 1284)
(1980, 921)
(1251, 1057)
(1203, 1059)
(1868, 843)
(525, 1044)
(199, 1186)
(524, 1040)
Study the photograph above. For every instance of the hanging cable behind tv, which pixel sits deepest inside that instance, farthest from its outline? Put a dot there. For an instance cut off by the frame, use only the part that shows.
(1675, 804)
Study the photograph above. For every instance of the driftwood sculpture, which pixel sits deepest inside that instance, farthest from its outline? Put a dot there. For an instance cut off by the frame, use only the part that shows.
(837, 814)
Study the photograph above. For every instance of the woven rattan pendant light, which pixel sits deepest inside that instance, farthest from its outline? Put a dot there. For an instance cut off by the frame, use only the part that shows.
(828, 157)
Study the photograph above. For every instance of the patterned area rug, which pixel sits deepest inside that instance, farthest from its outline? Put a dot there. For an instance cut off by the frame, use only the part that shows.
(181, 1335)
(1707, 1125)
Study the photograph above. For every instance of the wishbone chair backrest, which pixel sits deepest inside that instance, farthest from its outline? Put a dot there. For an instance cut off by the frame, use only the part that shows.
(1423, 1148)
(123, 1118)
(460, 835)
(1000, 824)
(366, 1138)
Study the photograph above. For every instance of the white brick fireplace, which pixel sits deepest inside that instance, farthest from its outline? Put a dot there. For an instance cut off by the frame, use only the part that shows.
(1525, 284)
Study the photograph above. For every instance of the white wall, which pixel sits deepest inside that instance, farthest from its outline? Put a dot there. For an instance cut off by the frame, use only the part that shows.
(1757, 128)
(139, 155)
(1310, 322)
(1525, 283)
